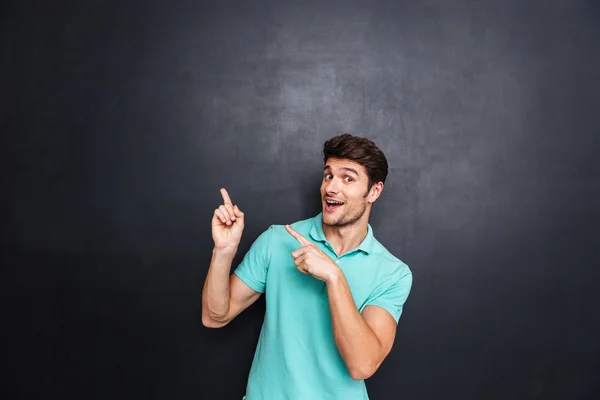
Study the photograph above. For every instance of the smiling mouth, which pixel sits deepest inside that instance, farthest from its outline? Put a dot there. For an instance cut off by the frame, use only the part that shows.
(331, 205)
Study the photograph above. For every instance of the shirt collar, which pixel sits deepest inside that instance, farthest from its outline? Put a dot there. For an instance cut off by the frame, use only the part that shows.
(316, 232)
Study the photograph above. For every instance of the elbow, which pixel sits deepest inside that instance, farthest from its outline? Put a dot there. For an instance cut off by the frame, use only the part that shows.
(211, 319)
(213, 322)
(362, 372)
(209, 323)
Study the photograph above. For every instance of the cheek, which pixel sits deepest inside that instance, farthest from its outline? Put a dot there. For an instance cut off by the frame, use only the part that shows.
(354, 197)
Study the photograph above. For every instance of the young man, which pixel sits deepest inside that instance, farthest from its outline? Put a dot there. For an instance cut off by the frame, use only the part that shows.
(335, 294)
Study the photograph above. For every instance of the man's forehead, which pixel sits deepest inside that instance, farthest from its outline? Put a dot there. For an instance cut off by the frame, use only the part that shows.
(335, 164)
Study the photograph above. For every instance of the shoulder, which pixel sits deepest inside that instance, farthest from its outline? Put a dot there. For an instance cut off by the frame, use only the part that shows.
(389, 265)
(277, 232)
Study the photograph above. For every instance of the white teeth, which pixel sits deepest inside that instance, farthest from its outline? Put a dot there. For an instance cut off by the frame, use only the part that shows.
(334, 202)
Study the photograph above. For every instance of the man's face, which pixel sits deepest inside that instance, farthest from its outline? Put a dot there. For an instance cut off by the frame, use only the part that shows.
(345, 182)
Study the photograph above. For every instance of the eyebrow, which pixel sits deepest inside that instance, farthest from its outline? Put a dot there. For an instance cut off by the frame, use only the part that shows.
(345, 168)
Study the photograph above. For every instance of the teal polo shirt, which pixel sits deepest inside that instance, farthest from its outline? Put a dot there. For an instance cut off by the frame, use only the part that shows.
(296, 357)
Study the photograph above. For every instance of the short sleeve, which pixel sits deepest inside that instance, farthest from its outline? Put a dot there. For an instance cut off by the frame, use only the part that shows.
(255, 264)
(393, 297)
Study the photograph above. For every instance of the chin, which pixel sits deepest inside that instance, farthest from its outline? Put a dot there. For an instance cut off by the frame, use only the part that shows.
(327, 218)
(330, 220)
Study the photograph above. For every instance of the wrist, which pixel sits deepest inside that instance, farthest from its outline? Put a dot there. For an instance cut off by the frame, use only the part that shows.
(224, 251)
(335, 277)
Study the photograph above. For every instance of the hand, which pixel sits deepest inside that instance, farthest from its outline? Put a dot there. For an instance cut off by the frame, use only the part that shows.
(227, 224)
(309, 259)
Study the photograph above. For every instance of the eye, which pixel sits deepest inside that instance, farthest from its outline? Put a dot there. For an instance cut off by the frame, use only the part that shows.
(349, 178)
(327, 176)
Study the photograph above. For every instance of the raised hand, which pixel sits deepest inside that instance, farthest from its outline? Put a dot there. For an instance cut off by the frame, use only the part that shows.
(309, 259)
(227, 224)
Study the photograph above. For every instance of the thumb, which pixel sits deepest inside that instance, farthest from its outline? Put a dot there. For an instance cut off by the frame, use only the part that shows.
(238, 213)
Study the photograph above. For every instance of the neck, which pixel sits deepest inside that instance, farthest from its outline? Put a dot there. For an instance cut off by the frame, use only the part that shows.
(346, 238)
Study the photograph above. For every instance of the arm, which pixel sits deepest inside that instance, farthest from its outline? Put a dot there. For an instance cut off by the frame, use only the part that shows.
(363, 340)
(224, 295)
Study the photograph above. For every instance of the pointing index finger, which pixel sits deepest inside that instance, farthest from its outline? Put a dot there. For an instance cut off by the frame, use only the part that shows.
(225, 195)
(301, 239)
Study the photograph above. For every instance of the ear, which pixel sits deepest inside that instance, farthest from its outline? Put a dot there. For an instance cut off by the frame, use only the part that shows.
(375, 191)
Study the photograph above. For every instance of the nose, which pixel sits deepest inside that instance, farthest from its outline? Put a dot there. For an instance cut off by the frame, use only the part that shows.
(332, 187)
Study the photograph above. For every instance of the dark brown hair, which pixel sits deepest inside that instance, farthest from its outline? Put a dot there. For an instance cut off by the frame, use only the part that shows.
(360, 150)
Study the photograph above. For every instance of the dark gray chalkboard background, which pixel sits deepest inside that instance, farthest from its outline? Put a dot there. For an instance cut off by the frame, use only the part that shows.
(121, 120)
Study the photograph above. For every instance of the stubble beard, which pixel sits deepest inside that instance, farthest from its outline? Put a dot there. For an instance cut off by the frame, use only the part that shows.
(348, 219)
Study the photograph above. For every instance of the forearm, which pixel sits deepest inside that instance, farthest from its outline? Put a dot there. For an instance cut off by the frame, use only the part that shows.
(215, 295)
(358, 345)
